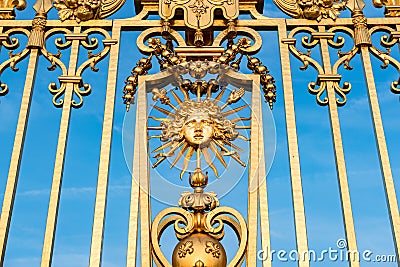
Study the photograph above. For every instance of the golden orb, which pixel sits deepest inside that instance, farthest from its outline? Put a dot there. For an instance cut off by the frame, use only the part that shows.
(199, 250)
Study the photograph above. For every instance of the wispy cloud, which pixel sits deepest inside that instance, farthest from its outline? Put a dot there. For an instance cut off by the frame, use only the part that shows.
(25, 261)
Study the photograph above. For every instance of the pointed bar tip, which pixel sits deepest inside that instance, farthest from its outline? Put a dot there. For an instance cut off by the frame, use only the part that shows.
(43, 6)
(355, 5)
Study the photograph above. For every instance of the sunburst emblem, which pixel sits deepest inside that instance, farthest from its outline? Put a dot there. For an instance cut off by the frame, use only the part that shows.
(198, 127)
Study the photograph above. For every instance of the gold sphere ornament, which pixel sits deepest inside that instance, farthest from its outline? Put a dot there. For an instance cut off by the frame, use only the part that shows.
(199, 250)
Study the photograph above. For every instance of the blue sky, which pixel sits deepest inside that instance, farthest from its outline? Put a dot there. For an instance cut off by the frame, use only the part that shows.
(321, 195)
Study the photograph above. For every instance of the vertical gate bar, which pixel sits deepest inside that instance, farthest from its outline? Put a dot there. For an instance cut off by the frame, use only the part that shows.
(262, 181)
(386, 170)
(140, 186)
(339, 155)
(252, 212)
(52, 214)
(294, 160)
(144, 177)
(105, 152)
(16, 156)
(134, 207)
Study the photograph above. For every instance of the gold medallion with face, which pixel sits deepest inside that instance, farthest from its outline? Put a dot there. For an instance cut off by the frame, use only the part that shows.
(196, 127)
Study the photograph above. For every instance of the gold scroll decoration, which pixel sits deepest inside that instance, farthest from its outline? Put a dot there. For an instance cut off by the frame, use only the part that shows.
(311, 9)
(198, 14)
(7, 8)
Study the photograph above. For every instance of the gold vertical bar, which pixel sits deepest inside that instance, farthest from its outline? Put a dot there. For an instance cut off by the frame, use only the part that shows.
(134, 208)
(386, 170)
(339, 155)
(252, 212)
(261, 175)
(105, 151)
(144, 190)
(140, 186)
(19, 140)
(51, 223)
(294, 160)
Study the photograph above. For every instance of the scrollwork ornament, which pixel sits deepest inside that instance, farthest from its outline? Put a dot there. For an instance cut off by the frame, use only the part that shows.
(199, 231)
(12, 43)
(324, 80)
(389, 39)
(79, 88)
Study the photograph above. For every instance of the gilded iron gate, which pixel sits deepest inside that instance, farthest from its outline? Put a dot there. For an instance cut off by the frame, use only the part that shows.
(200, 46)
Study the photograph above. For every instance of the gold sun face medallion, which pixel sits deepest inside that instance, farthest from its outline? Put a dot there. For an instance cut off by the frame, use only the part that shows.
(197, 127)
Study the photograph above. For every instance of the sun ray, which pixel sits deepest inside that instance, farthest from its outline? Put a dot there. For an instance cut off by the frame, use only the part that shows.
(154, 128)
(198, 158)
(167, 144)
(188, 155)
(233, 111)
(219, 96)
(228, 143)
(243, 137)
(242, 127)
(172, 106)
(172, 150)
(159, 119)
(158, 162)
(214, 149)
(207, 157)
(163, 156)
(178, 100)
(232, 154)
(154, 136)
(181, 152)
(240, 119)
(166, 112)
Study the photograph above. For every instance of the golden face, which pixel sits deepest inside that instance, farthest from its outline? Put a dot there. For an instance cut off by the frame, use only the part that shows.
(198, 130)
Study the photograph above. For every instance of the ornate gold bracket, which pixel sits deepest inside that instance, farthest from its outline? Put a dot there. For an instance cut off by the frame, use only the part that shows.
(390, 39)
(198, 14)
(76, 79)
(12, 43)
(199, 225)
(324, 78)
(168, 56)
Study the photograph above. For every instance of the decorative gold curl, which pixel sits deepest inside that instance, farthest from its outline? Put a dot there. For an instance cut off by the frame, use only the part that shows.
(387, 41)
(340, 91)
(12, 44)
(183, 222)
(172, 215)
(59, 92)
(319, 88)
(80, 89)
